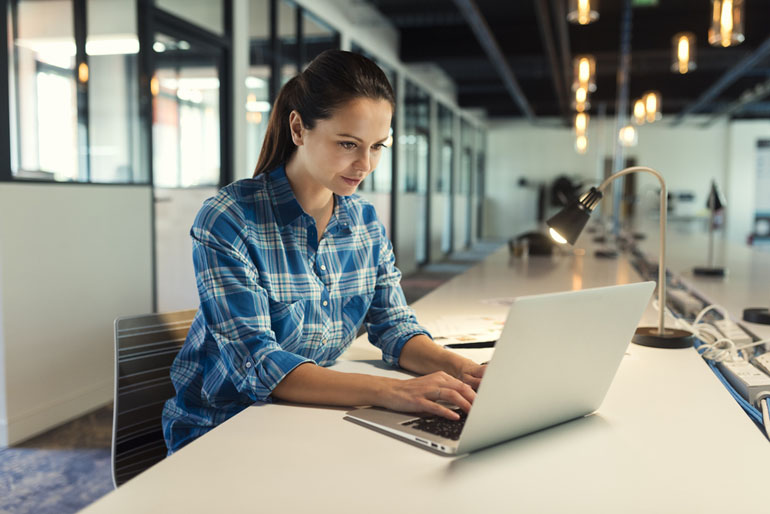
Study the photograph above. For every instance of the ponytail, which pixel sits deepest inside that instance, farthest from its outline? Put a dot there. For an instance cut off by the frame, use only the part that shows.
(278, 145)
(331, 80)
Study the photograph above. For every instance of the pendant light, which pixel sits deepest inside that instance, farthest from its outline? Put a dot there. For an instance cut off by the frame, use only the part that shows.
(652, 106)
(583, 12)
(683, 54)
(584, 72)
(581, 144)
(581, 103)
(640, 112)
(726, 23)
(581, 123)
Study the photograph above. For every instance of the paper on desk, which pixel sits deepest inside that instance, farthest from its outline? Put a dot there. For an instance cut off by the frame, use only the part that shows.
(466, 329)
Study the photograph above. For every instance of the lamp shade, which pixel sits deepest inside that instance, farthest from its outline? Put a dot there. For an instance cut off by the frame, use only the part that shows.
(714, 200)
(567, 224)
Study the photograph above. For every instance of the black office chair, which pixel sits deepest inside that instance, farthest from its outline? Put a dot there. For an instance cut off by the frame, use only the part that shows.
(145, 347)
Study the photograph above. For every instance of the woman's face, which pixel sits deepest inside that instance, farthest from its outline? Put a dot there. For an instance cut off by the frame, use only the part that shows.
(341, 151)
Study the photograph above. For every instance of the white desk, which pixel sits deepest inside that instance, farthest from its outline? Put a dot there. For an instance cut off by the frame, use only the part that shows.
(651, 447)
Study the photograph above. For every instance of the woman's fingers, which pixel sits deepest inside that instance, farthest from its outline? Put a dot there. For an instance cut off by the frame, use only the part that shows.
(454, 397)
(432, 407)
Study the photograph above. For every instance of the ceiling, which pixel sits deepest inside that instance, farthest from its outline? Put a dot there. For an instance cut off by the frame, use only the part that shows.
(440, 31)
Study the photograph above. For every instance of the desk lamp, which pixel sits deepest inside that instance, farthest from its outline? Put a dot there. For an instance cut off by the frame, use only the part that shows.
(714, 204)
(566, 225)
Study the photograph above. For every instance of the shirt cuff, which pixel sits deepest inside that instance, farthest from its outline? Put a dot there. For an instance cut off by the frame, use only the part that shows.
(391, 353)
(273, 368)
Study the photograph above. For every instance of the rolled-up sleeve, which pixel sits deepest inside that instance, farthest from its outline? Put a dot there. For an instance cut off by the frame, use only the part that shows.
(390, 322)
(236, 309)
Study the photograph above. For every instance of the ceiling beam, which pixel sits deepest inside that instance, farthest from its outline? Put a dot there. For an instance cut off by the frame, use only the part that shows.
(546, 33)
(725, 80)
(473, 16)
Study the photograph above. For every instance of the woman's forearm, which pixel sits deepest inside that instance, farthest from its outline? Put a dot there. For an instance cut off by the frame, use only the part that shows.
(310, 383)
(422, 355)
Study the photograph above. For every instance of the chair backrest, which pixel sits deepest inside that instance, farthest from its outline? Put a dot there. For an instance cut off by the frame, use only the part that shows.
(145, 348)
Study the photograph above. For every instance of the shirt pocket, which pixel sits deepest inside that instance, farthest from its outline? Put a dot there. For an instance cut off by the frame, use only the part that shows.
(286, 320)
(354, 309)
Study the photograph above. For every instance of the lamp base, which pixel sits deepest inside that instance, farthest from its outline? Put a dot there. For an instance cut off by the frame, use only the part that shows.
(672, 338)
(709, 272)
(757, 315)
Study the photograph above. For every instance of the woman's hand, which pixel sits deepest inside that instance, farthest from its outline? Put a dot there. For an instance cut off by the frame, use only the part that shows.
(472, 373)
(422, 394)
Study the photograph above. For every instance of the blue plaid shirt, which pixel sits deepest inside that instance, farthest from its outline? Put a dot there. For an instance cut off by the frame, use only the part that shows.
(272, 297)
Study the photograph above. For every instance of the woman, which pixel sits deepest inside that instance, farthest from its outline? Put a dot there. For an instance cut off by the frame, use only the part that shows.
(289, 265)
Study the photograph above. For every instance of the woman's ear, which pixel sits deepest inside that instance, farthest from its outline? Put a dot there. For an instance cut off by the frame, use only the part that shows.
(296, 127)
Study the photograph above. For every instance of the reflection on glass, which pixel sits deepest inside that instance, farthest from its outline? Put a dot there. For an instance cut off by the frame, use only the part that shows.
(208, 14)
(414, 140)
(258, 107)
(113, 112)
(318, 36)
(416, 146)
(186, 116)
(44, 122)
(287, 36)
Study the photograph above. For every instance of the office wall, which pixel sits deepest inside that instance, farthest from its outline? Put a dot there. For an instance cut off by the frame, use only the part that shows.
(175, 211)
(72, 259)
(688, 156)
(740, 183)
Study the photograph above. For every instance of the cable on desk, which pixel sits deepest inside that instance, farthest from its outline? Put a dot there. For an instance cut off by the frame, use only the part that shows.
(765, 403)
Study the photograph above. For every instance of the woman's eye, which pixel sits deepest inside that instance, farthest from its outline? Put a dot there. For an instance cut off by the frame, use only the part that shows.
(378, 147)
(347, 145)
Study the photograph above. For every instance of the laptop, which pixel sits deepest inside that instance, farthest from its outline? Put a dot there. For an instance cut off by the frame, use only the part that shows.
(554, 362)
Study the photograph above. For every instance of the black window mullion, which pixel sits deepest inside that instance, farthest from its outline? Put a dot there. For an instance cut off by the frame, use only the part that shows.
(226, 173)
(81, 59)
(301, 47)
(5, 108)
(275, 50)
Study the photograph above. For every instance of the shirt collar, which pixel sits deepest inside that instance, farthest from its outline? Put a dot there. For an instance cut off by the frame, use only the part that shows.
(287, 208)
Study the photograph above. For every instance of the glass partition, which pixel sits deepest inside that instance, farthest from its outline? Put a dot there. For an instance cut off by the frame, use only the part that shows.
(186, 144)
(113, 109)
(208, 14)
(44, 113)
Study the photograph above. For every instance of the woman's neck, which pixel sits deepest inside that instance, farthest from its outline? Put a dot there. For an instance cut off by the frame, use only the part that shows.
(315, 199)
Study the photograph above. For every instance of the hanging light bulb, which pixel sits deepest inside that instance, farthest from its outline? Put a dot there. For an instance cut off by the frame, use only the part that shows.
(581, 144)
(640, 112)
(628, 136)
(581, 123)
(652, 106)
(83, 72)
(581, 103)
(584, 67)
(583, 11)
(726, 23)
(683, 52)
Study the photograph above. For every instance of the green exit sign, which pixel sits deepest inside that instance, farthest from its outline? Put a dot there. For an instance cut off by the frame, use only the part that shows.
(644, 3)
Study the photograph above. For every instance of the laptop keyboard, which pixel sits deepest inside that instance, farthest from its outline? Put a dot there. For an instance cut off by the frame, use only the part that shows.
(439, 426)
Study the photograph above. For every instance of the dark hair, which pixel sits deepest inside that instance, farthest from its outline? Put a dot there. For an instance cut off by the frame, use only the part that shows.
(331, 80)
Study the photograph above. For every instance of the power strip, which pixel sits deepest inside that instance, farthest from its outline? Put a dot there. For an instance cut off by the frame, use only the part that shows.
(763, 362)
(731, 330)
(684, 301)
(749, 381)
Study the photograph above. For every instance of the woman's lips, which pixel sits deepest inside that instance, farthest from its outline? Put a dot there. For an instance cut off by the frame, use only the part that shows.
(351, 181)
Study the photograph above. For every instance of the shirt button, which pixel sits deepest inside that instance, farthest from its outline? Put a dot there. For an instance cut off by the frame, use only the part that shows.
(248, 364)
(323, 268)
(325, 303)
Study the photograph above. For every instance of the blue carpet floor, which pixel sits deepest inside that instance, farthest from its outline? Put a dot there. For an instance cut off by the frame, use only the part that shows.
(61, 471)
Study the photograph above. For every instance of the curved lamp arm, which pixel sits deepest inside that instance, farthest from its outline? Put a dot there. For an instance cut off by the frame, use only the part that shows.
(663, 222)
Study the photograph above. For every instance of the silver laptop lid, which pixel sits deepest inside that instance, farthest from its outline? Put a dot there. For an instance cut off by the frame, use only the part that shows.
(555, 360)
